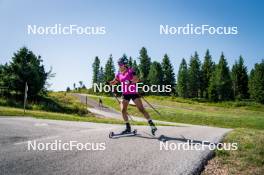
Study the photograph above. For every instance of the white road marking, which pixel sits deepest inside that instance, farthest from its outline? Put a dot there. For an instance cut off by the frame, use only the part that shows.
(40, 124)
(43, 138)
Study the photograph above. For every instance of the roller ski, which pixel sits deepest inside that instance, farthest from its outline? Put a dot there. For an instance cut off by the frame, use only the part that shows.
(126, 132)
(122, 134)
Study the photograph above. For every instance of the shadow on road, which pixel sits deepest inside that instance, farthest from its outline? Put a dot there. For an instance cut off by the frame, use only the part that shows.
(163, 138)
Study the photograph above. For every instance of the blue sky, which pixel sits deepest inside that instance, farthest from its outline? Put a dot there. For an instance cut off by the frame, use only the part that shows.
(130, 24)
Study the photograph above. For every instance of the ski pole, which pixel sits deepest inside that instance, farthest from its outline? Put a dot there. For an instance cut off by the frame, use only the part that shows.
(150, 105)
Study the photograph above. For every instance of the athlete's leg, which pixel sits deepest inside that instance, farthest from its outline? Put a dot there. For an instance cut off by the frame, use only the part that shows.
(123, 107)
(141, 108)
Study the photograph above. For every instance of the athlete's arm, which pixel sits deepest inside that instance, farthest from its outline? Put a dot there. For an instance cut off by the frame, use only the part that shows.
(135, 79)
(113, 82)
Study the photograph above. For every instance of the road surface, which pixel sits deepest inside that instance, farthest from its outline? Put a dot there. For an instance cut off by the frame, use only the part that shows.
(141, 154)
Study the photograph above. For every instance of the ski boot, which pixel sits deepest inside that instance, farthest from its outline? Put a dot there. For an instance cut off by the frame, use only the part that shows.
(127, 130)
(153, 127)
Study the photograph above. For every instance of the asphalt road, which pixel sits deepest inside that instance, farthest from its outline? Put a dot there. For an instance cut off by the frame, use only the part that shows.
(139, 154)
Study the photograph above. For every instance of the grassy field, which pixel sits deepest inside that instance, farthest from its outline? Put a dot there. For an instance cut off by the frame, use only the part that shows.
(246, 118)
(10, 111)
(199, 113)
(248, 159)
(52, 102)
(55, 106)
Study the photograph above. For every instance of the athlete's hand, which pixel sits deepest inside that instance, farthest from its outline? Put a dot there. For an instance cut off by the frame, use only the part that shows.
(113, 82)
(135, 79)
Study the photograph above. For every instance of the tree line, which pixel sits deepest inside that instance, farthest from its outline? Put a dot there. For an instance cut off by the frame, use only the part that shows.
(196, 79)
(149, 72)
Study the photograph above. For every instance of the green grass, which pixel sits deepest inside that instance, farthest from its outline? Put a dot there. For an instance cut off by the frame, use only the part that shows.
(52, 101)
(10, 111)
(62, 102)
(199, 113)
(248, 159)
(246, 104)
(57, 106)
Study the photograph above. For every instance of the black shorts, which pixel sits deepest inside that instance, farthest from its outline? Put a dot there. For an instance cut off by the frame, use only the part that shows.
(128, 97)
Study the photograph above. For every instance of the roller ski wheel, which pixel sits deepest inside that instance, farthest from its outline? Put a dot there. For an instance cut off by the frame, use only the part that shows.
(111, 134)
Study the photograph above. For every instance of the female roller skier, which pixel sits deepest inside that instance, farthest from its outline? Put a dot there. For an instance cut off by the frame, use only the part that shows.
(127, 77)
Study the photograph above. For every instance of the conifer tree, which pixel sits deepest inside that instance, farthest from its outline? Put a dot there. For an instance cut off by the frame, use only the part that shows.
(26, 67)
(155, 75)
(182, 80)
(256, 82)
(96, 67)
(240, 79)
(109, 71)
(168, 73)
(207, 72)
(130, 62)
(135, 67)
(144, 65)
(101, 75)
(220, 87)
(194, 74)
